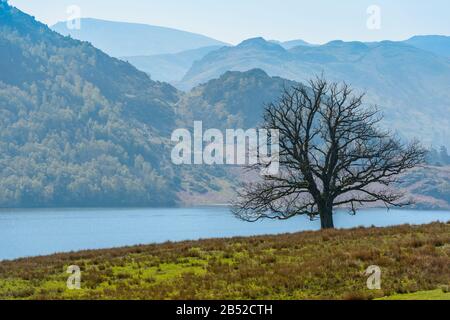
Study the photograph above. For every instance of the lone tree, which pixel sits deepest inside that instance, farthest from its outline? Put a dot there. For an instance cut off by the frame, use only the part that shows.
(332, 154)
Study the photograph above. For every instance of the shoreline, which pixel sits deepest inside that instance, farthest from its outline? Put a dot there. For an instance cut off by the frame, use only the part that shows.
(48, 232)
(231, 238)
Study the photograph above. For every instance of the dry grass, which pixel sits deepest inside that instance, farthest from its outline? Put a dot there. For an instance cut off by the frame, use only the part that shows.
(308, 265)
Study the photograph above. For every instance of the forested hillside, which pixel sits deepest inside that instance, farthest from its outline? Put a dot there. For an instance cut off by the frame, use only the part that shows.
(77, 127)
(234, 100)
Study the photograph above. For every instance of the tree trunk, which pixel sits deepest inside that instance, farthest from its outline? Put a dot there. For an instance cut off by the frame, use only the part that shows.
(326, 218)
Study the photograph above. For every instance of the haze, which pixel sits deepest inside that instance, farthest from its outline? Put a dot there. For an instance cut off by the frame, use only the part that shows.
(235, 20)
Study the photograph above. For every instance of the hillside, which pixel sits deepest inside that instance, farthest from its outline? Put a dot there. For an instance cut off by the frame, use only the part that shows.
(234, 100)
(410, 85)
(310, 265)
(77, 127)
(81, 129)
(121, 39)
(429, 186)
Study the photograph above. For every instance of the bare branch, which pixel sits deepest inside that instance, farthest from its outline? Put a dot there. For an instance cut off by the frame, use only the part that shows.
(332, 153)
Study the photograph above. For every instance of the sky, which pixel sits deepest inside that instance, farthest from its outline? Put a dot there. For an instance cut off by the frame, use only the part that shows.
(232, 21)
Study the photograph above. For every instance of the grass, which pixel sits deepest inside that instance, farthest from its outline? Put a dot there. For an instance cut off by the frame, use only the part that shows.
(329, 264)
(438, 294)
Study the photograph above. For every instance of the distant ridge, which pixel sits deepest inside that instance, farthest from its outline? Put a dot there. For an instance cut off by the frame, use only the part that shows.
(293, 43)
(410, 84)
(169, 67)
(120, 39)
(439, 45)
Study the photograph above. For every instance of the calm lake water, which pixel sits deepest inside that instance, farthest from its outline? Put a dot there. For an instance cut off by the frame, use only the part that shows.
(26, 233)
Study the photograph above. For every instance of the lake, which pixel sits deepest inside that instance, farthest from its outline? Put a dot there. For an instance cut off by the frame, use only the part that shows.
(35, 232)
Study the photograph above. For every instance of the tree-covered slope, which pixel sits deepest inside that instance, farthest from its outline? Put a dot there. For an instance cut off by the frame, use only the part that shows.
(234, 100)
(77, 128)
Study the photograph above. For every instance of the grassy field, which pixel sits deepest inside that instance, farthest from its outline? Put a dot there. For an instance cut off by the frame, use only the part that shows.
(415, 264)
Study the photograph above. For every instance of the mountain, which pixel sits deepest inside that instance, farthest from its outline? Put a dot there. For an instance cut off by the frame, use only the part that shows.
(169, 67)
(234, 100)
(293, 43)
(173, 67)
(77, 127)
(122, 39)
(439, 45)
(250, 54)
(411, 86)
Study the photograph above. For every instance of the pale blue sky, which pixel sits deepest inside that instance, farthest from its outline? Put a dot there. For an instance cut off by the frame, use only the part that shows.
(232, 21)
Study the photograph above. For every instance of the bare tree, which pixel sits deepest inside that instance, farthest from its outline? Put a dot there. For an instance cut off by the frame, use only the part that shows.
(333, 153)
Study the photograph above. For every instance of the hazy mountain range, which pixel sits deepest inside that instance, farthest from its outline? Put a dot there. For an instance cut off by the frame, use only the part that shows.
(169, 67)
(80, 128)
(410, 85)
(348, 59)
(120, 39)
(173, 67)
